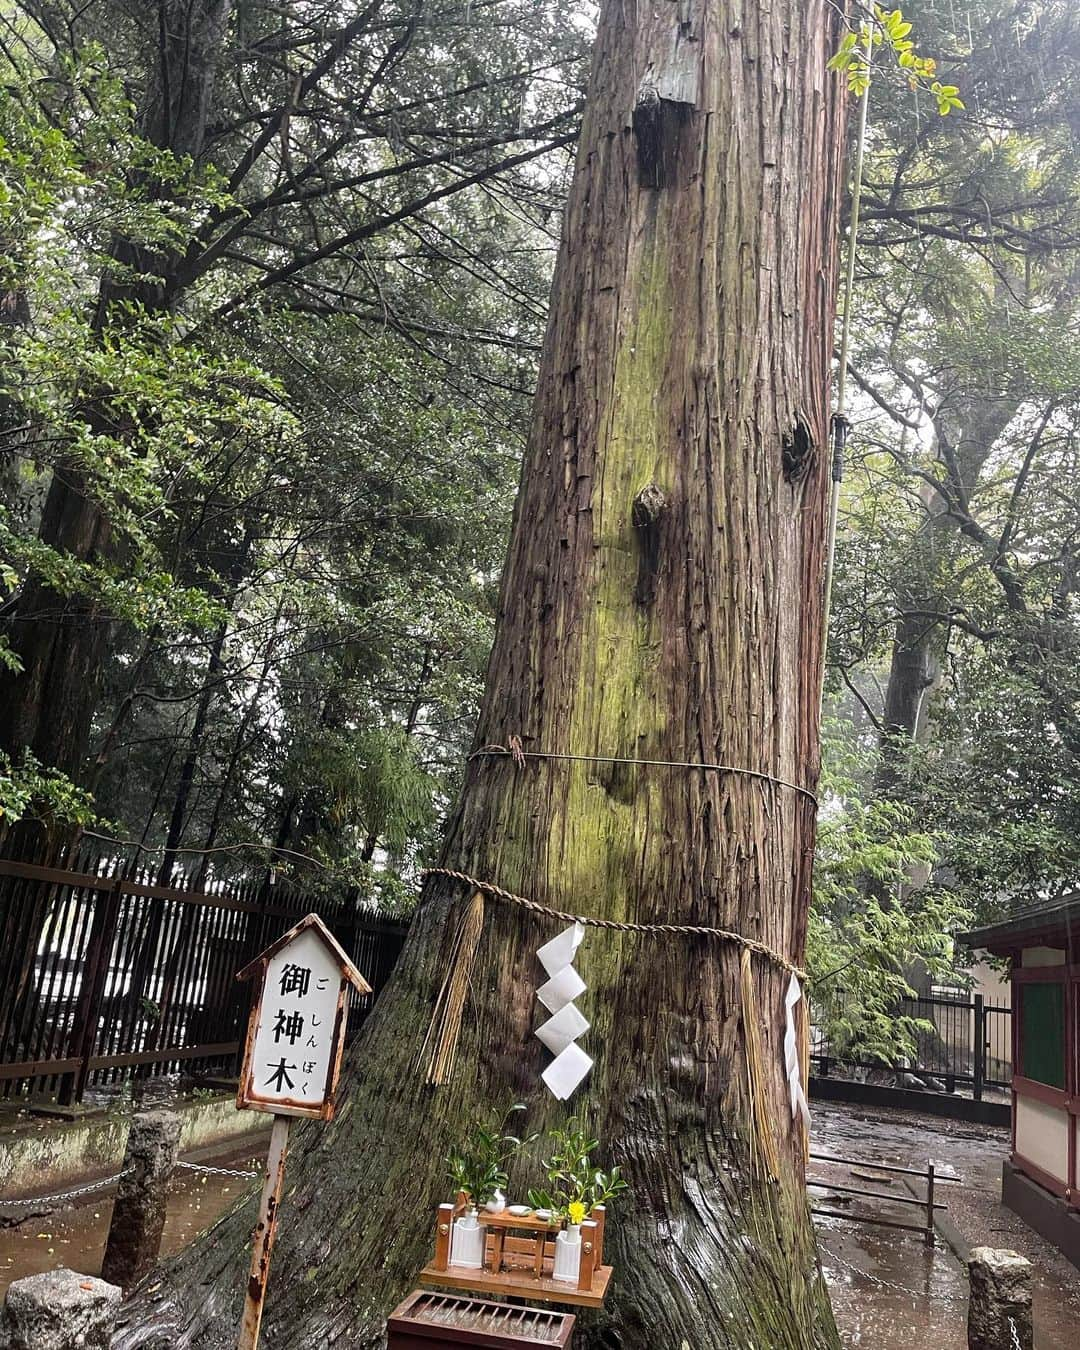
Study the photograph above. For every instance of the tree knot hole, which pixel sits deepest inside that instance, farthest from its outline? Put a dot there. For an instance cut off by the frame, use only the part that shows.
(797, 450)
(657, 124)
(646, 516)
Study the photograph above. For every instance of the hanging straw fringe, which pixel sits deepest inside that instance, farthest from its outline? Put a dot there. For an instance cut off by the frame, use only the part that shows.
(439, 1049)
(761, 1134)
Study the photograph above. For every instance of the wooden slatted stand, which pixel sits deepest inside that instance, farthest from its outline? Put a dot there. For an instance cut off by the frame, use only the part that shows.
(428, 1321)
(519, 1257)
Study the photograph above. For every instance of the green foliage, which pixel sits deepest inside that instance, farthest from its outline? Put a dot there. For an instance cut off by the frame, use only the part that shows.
(861, 835)
(889, 28)
(955, 621)
(292, 375)
(372, 781)
(479, 1167)
(872, 927)
(576, 1184)
(128, 407)
(28, 789)
(307, 479)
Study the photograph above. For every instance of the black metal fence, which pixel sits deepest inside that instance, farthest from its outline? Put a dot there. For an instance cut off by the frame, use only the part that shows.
(104, 973)
(961, 1043)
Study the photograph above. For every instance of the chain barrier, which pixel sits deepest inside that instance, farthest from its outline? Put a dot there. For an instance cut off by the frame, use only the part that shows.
(53, 1201)
(913, 1294)
(63, 1195)
(216, 1171)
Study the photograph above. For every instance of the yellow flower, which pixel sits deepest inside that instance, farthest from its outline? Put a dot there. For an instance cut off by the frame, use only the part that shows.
(576, 1211)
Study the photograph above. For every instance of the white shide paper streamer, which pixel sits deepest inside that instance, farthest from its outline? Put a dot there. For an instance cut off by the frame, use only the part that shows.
(791, 1054)
(560, 1032)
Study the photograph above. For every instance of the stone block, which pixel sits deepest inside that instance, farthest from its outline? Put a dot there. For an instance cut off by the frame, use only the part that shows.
(999, 1310)
(59, 1310)
(138, 1217)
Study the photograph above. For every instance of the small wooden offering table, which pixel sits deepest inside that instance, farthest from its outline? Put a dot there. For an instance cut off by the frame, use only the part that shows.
(519, 1256)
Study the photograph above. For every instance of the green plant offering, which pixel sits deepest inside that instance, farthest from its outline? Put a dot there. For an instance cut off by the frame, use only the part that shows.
(576, 1185)
(479, 1167)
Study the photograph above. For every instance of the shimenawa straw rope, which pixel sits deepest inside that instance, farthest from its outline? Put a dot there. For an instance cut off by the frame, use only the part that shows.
(670, 929)
(439, 1048)
(519, 756)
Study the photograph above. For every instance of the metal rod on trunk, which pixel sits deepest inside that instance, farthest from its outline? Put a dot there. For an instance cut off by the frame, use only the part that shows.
(929, 1204)
(265, 1232)
(840, 422)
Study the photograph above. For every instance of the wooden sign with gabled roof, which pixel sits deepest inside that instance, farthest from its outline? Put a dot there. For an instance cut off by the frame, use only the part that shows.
(292, 1055)
(292, 1058)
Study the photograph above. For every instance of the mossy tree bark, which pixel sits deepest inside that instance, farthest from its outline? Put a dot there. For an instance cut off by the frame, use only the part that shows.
(662, 600)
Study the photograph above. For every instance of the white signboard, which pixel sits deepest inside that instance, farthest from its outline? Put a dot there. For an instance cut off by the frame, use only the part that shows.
(291, 1061)
(295, 1037)
(291, 1051)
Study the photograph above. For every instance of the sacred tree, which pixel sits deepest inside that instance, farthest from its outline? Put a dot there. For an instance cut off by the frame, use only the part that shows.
(657, 661)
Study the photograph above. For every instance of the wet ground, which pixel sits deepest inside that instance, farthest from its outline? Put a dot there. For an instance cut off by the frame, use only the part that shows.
(76, 1237)
(889, 1289)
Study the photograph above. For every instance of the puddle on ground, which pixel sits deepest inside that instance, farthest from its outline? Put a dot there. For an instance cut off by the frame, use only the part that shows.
(889, 1289)
(75, 1238)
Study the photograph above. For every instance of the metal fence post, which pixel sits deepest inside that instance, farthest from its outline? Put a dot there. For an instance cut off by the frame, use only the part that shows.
(94, 975)
(929, 1203)
(978, 1068)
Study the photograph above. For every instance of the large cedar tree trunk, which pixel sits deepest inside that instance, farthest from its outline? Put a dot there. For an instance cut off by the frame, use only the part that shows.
(688, 349)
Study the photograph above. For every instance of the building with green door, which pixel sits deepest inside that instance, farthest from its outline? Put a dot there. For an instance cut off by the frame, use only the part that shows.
(1039, 1179)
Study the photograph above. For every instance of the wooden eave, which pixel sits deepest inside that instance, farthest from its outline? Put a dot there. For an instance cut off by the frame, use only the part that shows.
(1056, 925)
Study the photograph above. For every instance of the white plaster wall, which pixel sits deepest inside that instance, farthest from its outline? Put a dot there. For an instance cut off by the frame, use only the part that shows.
(1042, 1135)
(1042, 956)
(994, 985)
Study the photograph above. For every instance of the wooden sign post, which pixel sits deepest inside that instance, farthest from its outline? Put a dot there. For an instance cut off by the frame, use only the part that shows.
(292, 1058)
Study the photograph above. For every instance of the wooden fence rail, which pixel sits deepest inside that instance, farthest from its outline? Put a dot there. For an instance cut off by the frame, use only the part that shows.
(104, 971)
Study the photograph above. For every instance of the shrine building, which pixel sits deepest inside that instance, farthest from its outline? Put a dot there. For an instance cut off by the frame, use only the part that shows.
(1040, 1181)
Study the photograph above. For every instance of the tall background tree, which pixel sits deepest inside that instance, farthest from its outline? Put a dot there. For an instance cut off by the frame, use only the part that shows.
(262, 401)
(307, 511)
(956, 622)
(950, 788)
(275, 278)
